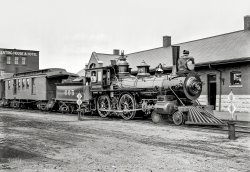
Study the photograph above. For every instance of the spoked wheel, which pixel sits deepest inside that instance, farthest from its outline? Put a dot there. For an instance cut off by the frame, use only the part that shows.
(127, 105)
(15, 104)
(103, 103)
(178, 118)
(71, 109)
(64, 108)
(156, 118)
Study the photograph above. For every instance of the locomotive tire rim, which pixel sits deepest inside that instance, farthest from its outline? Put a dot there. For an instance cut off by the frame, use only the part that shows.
(127, 102)
(103, 102)
(156, 118)
(178, 118)
(64, 108)
(15, 104)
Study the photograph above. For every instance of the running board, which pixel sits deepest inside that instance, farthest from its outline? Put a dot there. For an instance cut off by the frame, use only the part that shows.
(119, 111)
(199, 116)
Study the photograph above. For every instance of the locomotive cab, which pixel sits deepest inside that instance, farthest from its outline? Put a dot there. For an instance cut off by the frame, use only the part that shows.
(98, 78)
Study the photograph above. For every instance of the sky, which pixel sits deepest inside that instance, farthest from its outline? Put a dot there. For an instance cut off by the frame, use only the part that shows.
(66, 32)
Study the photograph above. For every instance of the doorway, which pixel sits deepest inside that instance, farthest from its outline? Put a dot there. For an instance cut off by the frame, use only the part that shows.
(14, 86)
(211, 86)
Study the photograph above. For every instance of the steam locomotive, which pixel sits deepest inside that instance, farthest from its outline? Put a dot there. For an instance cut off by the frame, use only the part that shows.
(112, 90)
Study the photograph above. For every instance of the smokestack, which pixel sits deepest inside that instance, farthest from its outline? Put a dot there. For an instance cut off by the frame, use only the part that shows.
(166, 41)
(247, 23)
(116, 52)
(175, 55)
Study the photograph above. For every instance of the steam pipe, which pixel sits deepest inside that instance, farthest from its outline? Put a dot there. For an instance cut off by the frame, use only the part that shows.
(175, 56)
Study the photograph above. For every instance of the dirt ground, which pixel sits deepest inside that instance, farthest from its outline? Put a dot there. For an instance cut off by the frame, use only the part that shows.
(36, 141)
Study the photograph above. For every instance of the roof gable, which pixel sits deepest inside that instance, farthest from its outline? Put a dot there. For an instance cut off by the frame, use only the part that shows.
(100, 57)
(105, 58)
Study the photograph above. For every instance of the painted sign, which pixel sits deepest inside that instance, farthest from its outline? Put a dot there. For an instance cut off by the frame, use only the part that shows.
(231, 107)
(17, 52)
(68, 92)
(79, 102)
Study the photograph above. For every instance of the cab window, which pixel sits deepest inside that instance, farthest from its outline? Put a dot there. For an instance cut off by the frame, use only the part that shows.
(93, 76)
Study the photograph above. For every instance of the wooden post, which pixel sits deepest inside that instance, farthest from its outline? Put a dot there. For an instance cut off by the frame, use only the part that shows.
(231, 130)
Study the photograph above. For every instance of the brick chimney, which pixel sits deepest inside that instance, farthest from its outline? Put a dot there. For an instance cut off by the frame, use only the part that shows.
(116, 52)
(247, 23)
(166, 41)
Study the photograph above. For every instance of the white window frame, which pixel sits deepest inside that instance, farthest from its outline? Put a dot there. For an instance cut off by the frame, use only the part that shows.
(27, 83)
(233, 79)
(23, 60)
(9, 84)
(16, 60)
(8, 61)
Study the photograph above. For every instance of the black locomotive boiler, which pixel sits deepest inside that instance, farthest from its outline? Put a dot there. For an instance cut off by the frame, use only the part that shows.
(113, 90)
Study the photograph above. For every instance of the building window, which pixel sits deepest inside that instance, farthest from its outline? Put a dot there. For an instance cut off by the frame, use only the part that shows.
(8, 60)
(19, 83)
(93, 76)
(8, 84)
(235, 78)
(16, 60)
(92, 66)
(1, 72)
(23, 60)
(23, 83)
(27, 83)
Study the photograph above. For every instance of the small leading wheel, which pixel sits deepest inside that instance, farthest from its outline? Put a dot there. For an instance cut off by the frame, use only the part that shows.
(127, 105)
(178, 118)
(156, 118)
(103, 103)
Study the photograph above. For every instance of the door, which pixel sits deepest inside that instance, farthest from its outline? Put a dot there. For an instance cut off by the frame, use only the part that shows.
(33, 86)
(211, 85)
(14, 86)
(106, 77)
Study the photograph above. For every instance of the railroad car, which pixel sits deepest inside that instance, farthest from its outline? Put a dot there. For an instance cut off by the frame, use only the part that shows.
(112, 90)
(34, 89)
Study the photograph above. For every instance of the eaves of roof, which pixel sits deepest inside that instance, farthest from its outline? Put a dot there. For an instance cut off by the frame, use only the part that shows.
(214, 63)
(223, 62)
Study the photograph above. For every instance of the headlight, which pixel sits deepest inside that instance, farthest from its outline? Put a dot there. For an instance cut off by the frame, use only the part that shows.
(190, 65)
(193, 86)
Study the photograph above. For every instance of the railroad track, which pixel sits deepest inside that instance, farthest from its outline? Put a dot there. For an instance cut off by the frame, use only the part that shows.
(240, 126)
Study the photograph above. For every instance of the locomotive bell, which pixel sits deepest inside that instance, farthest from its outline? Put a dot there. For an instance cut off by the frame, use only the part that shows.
(143, 69)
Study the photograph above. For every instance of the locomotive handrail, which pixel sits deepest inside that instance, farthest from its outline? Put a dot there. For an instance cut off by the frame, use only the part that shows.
(177, 96)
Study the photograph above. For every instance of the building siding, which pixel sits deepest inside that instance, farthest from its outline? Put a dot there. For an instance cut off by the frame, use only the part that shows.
(242, 92)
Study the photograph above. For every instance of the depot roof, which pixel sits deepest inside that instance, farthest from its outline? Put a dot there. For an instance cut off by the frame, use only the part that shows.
(221, 48)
